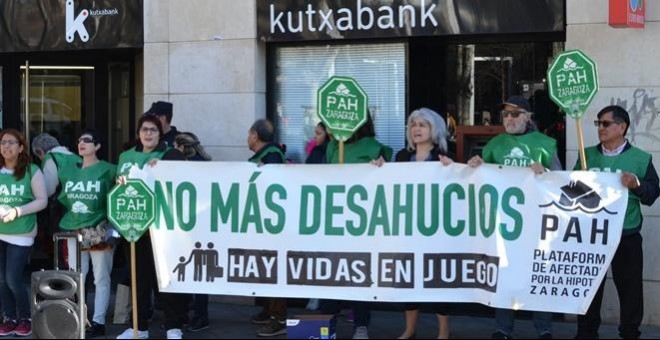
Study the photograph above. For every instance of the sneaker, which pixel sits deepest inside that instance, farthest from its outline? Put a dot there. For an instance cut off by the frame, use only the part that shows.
(260, 319)
(545, 335)
(361, 332)
(24, 328)
(501, 335)
(174, 333)
(273, 328)
(198, 325)
(8, 327)
(96, 329)
(128, 334)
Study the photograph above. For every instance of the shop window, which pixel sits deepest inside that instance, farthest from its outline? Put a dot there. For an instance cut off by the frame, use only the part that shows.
(380, 69)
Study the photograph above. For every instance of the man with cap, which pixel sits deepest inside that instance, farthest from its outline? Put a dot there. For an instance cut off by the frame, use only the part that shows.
(616, 155)
(522, 146)
(163, 110)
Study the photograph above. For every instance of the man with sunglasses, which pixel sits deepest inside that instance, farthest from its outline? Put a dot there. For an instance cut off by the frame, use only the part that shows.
(522, 146)
(615, 154)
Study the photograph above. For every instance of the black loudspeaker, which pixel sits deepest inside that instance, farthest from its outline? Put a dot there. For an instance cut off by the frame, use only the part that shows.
(58, 299)
(58, 310)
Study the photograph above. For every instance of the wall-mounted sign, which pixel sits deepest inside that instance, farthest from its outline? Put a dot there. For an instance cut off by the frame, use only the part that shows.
(52, 25)
(294, 20)
(627, 13)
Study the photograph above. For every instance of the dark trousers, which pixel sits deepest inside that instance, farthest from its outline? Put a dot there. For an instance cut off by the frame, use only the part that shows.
(201, 307)
(361, 310)
(175, 306)
(627, 274)
(275, 308)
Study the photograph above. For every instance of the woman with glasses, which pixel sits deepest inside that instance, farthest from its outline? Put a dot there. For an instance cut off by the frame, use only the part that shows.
(85, 186)
(150, 147)
(24, 194)
(426, 134)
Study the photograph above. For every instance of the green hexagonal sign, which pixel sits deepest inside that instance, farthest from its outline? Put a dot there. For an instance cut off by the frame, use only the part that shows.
(342, 106)
(573, 82)
(132, 209)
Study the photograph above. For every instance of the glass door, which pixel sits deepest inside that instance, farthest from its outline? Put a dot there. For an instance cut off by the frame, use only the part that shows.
(55, 100)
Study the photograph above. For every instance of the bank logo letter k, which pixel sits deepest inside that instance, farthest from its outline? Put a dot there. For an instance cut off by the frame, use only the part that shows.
(75, 25)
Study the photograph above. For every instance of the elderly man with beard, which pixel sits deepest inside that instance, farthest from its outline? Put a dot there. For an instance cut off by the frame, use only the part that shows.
(521, 145)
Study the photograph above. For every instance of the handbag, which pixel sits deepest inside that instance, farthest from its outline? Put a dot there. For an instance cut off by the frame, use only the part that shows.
(92, 236)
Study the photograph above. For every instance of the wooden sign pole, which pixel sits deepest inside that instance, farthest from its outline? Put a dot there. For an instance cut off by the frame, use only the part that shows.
(583, 159)
(134, 292)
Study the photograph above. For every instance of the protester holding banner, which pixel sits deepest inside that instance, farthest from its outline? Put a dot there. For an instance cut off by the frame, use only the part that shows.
(85, 189)
(615, 154)
(17, 229)
(189, 145)
(150, 147)
(426, 135)
(521, 145)
(362, 147)
(261, 141)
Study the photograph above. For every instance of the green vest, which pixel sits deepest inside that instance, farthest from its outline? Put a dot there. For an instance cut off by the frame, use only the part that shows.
(263, 153)
(84, 194)
(15, 193)
(520, 150)
(363, 150)
(632, 160)
(62, 160)
(132, 157)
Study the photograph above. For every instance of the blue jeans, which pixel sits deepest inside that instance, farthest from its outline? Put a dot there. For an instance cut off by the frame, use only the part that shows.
(504, 319)
(13, 292)
(102, 267)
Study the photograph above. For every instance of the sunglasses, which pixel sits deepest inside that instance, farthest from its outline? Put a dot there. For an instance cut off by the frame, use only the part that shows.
(86, 140)
(514, 114)
(605, 123)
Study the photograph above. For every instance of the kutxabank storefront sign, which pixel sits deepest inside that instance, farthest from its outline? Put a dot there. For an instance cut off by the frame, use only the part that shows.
(53, 25)
(499, 236)
(294, 20)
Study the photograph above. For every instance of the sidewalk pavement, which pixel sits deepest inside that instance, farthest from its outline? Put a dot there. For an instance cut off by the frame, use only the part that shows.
(230, 319)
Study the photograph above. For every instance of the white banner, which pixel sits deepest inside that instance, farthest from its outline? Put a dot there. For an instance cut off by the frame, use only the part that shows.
(499, 236)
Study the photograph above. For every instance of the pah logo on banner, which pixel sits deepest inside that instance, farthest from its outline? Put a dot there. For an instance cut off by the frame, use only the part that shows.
(577, 196)
(75, 24)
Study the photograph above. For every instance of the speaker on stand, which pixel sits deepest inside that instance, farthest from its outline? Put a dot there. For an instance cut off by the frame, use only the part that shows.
(58, 299)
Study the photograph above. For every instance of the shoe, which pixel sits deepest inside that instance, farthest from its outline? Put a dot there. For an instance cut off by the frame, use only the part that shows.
(501, 335)
(361, 332)
(8, 327)
(273, 328)
(96, 329)
(260, 319)
(128, 334)
(174, 333)
(350, 316)
(198, 325)
(412, 336)
(545, 335)
(24, 328)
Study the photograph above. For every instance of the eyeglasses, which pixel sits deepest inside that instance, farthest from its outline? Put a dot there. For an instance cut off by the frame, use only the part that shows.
(10, 142)
(513, 114)
(605, 123)
(149, 130)
(86, 140)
